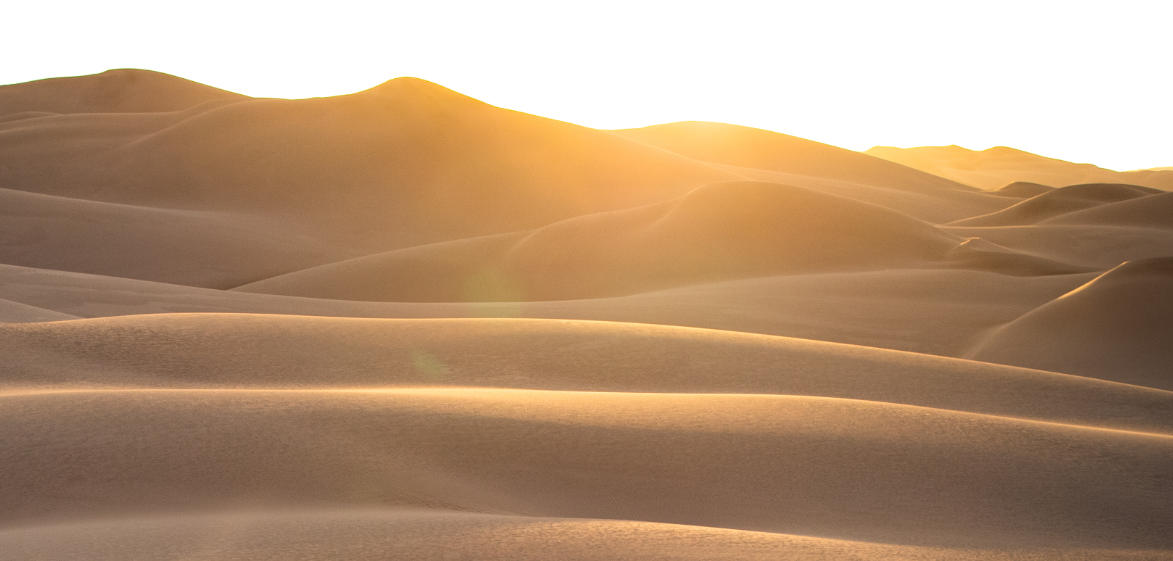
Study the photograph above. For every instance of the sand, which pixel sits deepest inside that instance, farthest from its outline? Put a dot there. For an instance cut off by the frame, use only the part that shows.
(999, 167)
(404, 323)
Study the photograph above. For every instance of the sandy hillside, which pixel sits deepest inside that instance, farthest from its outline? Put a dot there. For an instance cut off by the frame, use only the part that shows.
(406, 324)
(997, 167)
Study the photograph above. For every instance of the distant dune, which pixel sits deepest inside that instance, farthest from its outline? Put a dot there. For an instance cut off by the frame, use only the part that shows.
(1116, 326)
(125, 90)
(404, 323)
(996, 167)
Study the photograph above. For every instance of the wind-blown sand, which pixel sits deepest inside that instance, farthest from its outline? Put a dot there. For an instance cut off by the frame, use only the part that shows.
(407, 324)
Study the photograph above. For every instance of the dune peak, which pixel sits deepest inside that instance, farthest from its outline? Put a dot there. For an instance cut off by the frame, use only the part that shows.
(404, 323)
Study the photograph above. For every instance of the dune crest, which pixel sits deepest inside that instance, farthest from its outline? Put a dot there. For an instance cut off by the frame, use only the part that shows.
(125, 90)
(722, 231)
(1057, 202)
(1115, 327)
(404, 323)
(992, 168)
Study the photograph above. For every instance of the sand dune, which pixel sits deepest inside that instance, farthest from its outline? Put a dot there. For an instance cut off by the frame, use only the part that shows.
(1115, 327)
(752, 148)
(996, 167)
(937, 311)
(1152, 212)
(175, 351)
(406, 162)
(125, 90)
(195, 248)
(719, 232)
(1058, 202)
(778, 158)
(1021, 189)
(403, 323)
(15, 312)
(417, 533)
(1100, 246)
(810, 466)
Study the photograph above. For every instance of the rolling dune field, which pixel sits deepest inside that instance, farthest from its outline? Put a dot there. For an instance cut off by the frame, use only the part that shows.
(406, 324)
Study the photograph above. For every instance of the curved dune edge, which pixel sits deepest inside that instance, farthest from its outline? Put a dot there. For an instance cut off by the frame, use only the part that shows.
(1114, 327)
(858, 470)
(229, 351)
(502, 402)
(1057, 204)
(123, 90)
(868, 309)
(15, 312)
(423, 534)
(1000, 165)
(722, 231)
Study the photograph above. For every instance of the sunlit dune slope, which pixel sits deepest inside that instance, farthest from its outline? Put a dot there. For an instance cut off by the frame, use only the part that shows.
(1057, 202)
(770, 156)
(265, 351)
(412, 533)
(1021, 189)
(403, 162)
(1155, 211)
(936, 311)
(719, 232)
(800, 465)
(1102, 244)
(993, 168)
(124, 90)
(1094, 225)
(404, 323)
(748, 147)
(1116, 327)
(15, 312)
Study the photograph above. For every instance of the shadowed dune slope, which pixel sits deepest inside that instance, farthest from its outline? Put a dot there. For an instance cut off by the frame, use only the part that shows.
(1155, 211)
(939, 311)
(404, 323)
(195, 248)
(1115, 327)
(15, 312)
(1058, 202)
(113, 91)
(1106, 242)
(997, 166)
(718, 232)
(1022, 189)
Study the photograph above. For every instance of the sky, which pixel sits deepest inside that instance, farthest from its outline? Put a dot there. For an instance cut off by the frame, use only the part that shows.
(1075, 80)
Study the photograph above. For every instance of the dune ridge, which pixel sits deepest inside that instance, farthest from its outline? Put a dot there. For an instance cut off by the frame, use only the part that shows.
(1058, 202)
(172, 351)
(722, 231)
(473, 449)
(124, 90)
(366, 534)
(995, 167)
(404, 323)
(1122, 330)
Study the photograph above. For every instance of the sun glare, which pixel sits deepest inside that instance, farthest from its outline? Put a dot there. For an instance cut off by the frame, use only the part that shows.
(1063, 79)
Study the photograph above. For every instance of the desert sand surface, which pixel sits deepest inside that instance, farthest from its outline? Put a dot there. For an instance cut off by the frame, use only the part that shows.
(406, 324)
(1000, 166)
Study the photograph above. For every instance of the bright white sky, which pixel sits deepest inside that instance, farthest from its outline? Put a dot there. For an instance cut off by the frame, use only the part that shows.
(1077, 80)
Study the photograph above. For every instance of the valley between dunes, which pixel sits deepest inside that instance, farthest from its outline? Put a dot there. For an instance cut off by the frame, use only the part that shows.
(406, 324)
